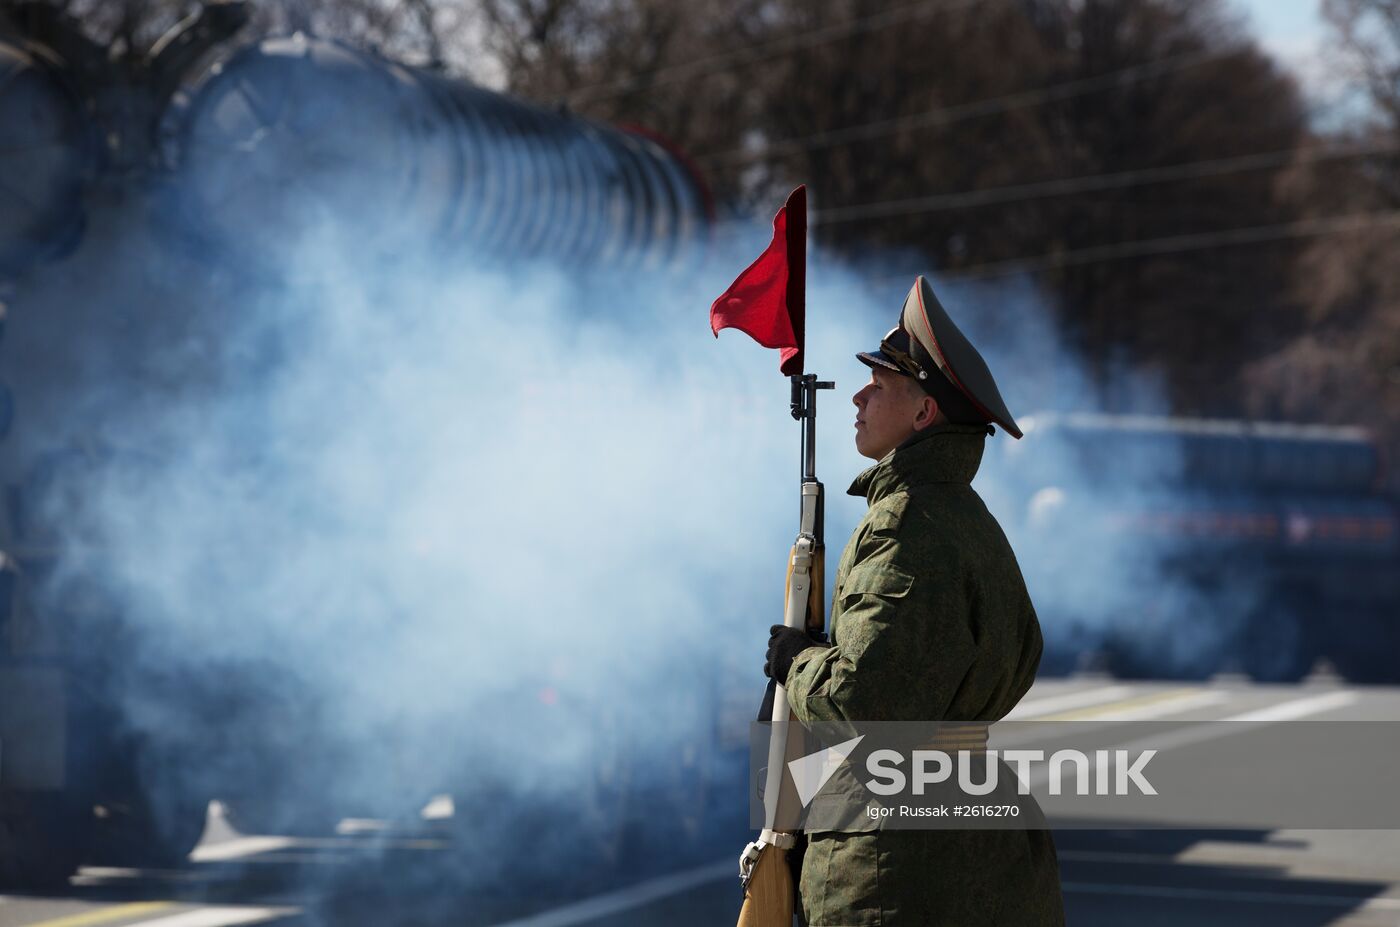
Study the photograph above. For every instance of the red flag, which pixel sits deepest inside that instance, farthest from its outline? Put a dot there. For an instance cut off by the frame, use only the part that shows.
(767, 301)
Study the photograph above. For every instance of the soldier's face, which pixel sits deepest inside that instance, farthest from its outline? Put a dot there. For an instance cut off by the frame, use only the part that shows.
(889, 409)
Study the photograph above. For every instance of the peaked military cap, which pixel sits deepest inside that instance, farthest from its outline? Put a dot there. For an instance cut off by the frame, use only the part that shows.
(929, 347)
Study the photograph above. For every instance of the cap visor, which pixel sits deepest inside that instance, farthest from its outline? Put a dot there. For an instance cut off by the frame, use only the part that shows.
(877, 359)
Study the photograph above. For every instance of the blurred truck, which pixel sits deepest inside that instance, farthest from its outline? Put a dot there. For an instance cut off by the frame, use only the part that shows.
(1178, 547)
(136, 199)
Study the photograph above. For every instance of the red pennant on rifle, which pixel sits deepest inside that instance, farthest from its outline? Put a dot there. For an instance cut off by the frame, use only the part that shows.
(767, 301)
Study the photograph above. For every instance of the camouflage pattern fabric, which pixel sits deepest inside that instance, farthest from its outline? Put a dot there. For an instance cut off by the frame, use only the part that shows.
(930, 622)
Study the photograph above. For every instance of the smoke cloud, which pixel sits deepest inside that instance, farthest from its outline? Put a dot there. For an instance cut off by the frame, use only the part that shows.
(365, 532)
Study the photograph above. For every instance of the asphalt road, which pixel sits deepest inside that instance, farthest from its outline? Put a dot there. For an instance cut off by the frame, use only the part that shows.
(1239, 872)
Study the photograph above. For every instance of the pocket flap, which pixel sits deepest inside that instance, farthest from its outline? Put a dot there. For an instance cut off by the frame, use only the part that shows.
(884, 579)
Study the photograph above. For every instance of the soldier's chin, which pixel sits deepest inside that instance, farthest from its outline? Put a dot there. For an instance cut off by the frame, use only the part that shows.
(863, 448)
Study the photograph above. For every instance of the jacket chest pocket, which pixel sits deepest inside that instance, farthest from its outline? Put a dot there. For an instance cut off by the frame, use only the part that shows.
(883, 579)
(880, 579)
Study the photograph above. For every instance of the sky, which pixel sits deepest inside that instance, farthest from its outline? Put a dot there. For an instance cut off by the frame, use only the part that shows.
(1293, 31)
(1284, 24)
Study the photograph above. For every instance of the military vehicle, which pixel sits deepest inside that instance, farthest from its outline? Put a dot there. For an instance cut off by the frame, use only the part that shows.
(1179, 547)
(143, 200)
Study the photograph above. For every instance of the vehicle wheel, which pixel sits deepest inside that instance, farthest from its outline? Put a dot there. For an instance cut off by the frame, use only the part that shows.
(1276, 645)
(42, 847)
(1365, 651)
(142, 833)
(1154, 660)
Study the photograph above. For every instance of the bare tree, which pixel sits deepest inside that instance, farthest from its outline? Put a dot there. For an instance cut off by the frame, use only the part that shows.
(654, 64)
(1346, 367)
(426, 32)
(959, 133)
(1366, 34)
(877, 105)
(1012, 93)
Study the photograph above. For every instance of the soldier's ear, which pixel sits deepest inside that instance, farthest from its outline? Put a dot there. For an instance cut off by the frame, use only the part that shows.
(928, 412)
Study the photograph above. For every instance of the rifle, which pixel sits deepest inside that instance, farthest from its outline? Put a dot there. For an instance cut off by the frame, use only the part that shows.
(763, 871)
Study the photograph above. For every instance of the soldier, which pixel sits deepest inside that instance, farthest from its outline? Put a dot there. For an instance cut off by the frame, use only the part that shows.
(930, 622)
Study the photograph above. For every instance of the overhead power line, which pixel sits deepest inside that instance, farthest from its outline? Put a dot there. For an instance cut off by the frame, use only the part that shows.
(759, 51)
(1173, 244)
(947, 115)
(1016, 193)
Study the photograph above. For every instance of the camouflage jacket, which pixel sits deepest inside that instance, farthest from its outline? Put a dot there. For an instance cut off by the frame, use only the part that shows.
(930, 621)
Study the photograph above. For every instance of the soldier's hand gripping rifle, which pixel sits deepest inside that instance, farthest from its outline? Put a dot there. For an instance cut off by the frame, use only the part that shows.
(767, 301)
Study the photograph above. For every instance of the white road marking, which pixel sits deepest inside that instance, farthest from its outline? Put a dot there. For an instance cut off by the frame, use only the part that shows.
(1232, 894)
(1210, 730)
(1143, 707)
(238, 848)
(633, 896)
(218, 917)
(1299, 708)
(1053, 703)
(1238, 724)
(1160, 709)
(105, 914)
(1151, 705)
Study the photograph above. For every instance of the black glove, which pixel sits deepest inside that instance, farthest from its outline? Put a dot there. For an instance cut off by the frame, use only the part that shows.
(784, 644)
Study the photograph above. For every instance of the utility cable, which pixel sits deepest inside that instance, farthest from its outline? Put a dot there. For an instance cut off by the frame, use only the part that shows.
(948, 115)
(1303, 228)
(1016, 193)
(760, 51)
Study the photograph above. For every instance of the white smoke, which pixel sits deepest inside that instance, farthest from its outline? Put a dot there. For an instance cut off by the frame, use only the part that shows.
(449, 525)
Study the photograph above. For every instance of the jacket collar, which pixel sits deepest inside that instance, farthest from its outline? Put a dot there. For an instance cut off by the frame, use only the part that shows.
(939, 454)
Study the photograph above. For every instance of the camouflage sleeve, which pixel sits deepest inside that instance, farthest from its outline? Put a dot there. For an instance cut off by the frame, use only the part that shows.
(903, 644)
